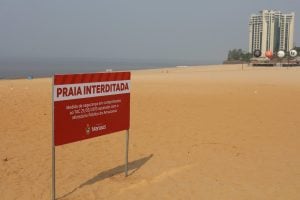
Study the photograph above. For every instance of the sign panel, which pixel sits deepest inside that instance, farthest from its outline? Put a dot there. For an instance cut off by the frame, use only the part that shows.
(90, 105)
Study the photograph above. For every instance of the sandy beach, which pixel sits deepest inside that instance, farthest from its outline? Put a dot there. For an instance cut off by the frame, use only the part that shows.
(209, 132)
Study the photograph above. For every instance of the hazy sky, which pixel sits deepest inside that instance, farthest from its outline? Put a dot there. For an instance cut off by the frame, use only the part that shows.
(192, 30)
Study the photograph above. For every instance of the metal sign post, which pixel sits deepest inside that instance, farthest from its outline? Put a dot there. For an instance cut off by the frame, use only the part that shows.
(53, 145)
(53, 172)
(126, 152)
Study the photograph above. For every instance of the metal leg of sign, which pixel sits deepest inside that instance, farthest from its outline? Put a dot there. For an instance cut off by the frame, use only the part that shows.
(53, 173)
(53, 148)
(126, 153)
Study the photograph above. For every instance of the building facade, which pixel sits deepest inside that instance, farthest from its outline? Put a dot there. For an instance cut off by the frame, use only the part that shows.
(270, 30)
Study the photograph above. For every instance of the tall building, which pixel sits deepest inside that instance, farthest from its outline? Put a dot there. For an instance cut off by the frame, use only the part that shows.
(271, 30)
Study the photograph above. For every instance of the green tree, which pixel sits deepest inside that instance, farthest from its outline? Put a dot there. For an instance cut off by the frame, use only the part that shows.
(238, 54)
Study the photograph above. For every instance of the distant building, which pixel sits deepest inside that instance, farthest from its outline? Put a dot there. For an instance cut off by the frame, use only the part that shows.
(271, 30)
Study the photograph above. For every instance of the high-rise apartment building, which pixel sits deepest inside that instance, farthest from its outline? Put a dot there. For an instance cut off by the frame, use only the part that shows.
(271, 30)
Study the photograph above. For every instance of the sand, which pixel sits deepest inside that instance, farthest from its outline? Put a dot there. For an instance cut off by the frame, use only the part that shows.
(212, 132)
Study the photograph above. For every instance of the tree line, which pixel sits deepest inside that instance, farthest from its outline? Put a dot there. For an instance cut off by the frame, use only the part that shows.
(238, 54)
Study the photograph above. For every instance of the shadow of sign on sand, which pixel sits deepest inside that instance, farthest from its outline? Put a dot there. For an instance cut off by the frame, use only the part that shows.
(134, 166)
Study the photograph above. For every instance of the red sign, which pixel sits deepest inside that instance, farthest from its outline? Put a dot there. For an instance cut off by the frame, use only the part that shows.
(90, 105)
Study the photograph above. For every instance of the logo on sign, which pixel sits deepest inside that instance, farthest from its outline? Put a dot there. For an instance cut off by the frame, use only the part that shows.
(87, 129)
(98, 128)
